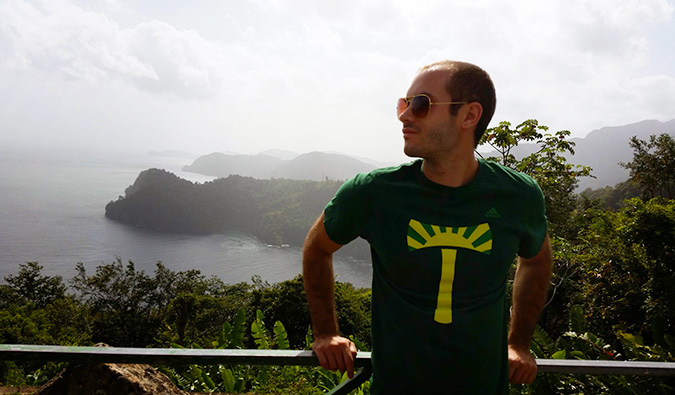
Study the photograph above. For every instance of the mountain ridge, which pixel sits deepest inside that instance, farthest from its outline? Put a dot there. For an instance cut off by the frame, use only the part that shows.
(312, 166)
(601, 149)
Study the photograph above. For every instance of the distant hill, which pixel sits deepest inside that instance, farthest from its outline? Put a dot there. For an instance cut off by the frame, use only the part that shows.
(315, 166)
(319, 166)
(223, 165)
(604, 148)
(281, 154)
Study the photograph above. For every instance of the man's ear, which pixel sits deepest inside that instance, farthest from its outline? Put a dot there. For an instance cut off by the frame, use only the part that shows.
(471, 113)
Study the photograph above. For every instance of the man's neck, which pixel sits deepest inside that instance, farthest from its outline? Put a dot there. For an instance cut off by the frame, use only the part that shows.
(452, 172)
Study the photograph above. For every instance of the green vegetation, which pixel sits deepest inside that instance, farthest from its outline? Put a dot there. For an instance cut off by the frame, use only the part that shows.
(653, 164)
(612, 294)
(651, 173)
(121, 306)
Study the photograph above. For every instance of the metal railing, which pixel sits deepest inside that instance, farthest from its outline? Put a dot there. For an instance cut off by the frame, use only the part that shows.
(169, 356)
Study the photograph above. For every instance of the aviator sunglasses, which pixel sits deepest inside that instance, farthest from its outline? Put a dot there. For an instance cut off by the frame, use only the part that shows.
(420, 105)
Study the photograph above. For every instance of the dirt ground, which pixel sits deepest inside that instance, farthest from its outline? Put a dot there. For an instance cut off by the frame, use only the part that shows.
(18, 390)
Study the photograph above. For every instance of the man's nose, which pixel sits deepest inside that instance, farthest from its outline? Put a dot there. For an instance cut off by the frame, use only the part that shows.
(406, 116)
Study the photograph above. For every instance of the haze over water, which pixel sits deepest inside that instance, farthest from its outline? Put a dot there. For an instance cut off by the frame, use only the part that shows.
(53, 211)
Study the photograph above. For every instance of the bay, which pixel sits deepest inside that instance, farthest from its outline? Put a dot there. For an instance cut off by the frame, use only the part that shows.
(53, 208)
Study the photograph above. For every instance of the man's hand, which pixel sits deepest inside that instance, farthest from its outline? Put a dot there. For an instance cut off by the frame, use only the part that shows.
(522, 366)
(335, 353)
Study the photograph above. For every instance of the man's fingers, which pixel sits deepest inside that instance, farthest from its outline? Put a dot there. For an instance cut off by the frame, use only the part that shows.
(333, 362)
(515, 377)
(345, 359)
(522, 373)
(336, 353)
(352, 355)
(348, 356)
(323, 358)
(522, 376)
(522, 366)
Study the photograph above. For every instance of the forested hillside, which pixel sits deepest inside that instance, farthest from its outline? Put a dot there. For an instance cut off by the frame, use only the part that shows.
(278, 211)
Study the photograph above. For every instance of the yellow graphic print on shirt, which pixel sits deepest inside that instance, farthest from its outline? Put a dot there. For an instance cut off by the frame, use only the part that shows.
(477, 238)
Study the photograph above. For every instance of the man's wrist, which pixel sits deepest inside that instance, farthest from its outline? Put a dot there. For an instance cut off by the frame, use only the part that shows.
(326, 334)
(519, 344)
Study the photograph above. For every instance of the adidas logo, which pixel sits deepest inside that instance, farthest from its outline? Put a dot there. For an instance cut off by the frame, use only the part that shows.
(492, 213)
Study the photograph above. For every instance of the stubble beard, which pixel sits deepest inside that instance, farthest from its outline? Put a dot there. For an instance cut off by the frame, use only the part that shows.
(438, 142)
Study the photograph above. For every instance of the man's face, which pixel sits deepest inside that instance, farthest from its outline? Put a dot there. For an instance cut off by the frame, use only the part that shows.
(435, 134)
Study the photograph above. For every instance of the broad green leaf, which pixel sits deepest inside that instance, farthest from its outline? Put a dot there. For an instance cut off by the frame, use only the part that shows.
(228, 380)
(309, 338)
(630, 337)
(537, 351)
(236, 337)
(577, 320)
(280, 336)
(224, 337)
(259, 333)
(543, 340)
(240, 386)
(207, 381)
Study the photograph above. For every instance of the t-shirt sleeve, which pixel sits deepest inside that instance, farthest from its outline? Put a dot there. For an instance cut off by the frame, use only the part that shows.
(536, 225)
(345, 214)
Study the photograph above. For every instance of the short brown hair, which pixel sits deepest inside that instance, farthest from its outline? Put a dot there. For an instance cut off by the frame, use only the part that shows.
(469, 83)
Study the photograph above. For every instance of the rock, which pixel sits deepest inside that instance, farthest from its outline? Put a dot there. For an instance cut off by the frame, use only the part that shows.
(109, 379)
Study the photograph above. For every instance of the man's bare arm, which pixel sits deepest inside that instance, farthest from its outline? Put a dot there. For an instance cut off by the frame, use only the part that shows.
(333, 351)
(530, 288)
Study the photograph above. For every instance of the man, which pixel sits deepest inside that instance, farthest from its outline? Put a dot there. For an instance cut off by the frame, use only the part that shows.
(443, 233)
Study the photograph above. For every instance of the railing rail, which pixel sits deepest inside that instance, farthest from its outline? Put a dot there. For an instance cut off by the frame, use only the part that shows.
(169, 356)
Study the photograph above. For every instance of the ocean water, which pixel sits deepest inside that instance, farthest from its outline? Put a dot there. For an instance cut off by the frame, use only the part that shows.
(52, 211)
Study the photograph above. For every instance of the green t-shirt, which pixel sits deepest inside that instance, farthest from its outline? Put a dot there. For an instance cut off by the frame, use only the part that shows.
(441, 257)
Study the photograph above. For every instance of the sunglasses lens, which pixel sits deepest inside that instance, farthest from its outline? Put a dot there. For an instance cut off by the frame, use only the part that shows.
(420, 106)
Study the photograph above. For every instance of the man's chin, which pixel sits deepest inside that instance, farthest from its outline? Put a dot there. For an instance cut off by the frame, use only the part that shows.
(411, 152)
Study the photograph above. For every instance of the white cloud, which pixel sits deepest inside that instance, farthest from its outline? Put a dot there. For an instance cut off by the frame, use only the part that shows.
(59, 37)
(307, 75)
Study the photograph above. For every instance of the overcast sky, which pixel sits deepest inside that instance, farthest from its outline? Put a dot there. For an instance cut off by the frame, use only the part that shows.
(250, 75)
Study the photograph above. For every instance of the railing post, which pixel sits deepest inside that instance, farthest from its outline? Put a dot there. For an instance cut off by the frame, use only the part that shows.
(360, 377)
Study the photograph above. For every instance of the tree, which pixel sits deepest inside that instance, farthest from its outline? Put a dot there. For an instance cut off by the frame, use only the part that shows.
(547, 165)
(286, 301)
(651, 225)
(123, 302)
(29, 285)
(652, 165)
(614, 197)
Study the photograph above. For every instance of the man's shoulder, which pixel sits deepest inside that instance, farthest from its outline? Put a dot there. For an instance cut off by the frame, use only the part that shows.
(398, 172)
(497, 172)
